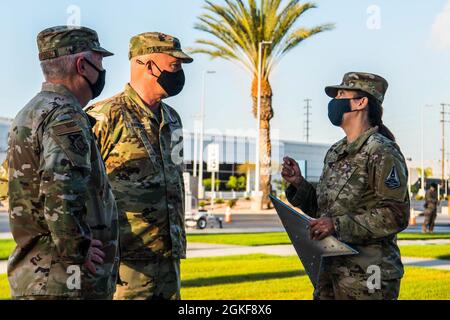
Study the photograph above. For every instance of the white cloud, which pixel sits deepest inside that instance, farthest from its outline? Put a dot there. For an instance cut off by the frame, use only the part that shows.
(441, 29)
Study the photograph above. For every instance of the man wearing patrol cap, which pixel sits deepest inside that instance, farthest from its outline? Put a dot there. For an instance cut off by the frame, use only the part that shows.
(63, 215)
(362, 197)
(140, 138)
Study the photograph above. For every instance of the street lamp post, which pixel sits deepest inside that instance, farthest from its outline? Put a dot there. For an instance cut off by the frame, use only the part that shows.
(201, 192)
(196, 138)
(258, 119)
(409, 176)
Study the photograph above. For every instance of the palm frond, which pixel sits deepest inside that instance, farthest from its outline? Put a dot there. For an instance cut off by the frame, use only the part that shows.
(238, 27)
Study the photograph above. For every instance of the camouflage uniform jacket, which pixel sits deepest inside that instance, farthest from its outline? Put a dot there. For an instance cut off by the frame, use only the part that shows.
(59, 198)
(363, 189)
(149, 189)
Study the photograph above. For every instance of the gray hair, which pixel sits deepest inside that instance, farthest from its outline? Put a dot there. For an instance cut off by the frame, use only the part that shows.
(62, 67)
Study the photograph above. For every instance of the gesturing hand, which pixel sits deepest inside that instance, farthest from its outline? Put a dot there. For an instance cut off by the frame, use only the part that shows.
(95, 255)
(291, 172)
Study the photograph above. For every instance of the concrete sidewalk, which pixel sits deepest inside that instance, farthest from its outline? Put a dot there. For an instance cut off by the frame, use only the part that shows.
(5, 236)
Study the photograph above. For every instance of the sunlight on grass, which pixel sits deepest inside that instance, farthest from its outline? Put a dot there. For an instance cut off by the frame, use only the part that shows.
(6, 248)
(264, 277)
(441, 251)
(4, 287)
(268, 277)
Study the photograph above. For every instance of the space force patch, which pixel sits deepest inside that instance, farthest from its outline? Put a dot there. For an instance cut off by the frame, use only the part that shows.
(392, 180)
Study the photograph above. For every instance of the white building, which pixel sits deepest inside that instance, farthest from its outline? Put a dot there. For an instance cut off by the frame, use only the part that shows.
(234, 150)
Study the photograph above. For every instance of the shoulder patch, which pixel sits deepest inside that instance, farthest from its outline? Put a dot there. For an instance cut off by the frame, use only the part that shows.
(78, 144)
(66, 128)
(392, 180)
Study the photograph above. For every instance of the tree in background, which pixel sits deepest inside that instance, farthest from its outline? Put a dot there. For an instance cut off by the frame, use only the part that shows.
(236, 184)
(237, 28)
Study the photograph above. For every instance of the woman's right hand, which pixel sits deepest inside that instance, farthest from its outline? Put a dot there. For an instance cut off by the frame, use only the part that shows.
(95, 255)
(291, 172)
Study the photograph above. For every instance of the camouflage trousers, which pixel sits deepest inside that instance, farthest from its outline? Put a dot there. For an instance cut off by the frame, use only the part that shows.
(428, 222)
(342, 287)
(157, 279)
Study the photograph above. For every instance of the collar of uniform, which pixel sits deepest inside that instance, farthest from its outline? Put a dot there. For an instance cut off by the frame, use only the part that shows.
(134, 96)
(167, 117)
(59, 89)
(356, 145)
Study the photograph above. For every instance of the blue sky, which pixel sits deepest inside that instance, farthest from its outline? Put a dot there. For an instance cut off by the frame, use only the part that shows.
(411, 49)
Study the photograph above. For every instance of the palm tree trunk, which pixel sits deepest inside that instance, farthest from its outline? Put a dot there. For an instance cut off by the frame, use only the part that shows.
(265, 145)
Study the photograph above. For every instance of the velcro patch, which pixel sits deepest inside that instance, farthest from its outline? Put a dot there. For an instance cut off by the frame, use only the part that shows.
(78, 144)
(392, 180)
(66, 128)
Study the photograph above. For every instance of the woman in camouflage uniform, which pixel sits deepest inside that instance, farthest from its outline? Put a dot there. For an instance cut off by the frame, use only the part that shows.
(362, 197)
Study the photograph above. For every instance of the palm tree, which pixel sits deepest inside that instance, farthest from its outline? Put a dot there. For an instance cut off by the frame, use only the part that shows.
(238, 27)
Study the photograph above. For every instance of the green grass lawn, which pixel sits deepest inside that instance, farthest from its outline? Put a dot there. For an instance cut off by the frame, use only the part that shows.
(423, 236)
(274, 238)
(6, 247)
(441, 251)
(263, 277)
(4, 287)
(425, 251)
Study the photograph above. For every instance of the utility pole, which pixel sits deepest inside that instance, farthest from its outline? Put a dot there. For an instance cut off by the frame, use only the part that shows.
(443, 122)
(307, 122)
(422, 176)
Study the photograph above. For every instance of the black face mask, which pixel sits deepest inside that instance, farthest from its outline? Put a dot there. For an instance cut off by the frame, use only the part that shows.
(99, 85)
(337, 108)
(171, 82)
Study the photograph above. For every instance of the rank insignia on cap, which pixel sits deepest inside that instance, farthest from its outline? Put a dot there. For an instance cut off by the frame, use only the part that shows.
(392, 181)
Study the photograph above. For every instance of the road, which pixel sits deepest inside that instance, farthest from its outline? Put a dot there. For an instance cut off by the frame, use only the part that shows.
(271, 222)
(263, 223)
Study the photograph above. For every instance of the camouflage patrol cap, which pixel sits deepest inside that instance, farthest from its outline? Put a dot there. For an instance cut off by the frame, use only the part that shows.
(156, 42)
(66, 40)
(370, 83)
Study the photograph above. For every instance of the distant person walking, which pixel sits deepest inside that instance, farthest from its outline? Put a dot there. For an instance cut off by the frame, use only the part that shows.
(431, 204)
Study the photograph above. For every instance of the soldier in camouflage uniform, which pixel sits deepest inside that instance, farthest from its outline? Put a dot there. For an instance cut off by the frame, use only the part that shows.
(63, 215)
(362, 196)
(430, 213)
(140, 139)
